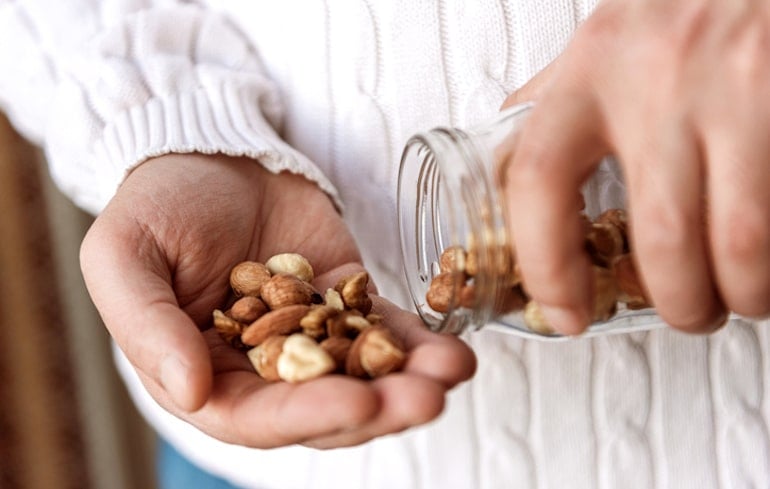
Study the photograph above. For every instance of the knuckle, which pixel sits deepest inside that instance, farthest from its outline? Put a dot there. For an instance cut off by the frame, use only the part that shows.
(747, 53)
(537, 166)
(553, 281)
(534, 162)
(603, 27)
(744, 234)
(667, 229)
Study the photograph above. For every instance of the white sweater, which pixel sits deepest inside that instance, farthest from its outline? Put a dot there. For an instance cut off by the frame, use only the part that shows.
(103, 85)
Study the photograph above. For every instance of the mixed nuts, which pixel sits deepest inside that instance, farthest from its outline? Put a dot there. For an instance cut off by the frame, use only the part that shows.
(291, 332)
(607, 244)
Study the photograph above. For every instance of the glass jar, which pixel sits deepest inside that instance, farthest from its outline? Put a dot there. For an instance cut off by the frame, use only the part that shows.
(448, 198)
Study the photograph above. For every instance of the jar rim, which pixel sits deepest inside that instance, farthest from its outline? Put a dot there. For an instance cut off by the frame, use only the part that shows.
(422, 231)
(454, 202)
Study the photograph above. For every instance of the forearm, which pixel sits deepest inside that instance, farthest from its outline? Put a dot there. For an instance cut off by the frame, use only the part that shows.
(102, 87)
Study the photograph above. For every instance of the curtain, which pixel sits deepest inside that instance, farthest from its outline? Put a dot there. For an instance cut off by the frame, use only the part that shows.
(65, 419)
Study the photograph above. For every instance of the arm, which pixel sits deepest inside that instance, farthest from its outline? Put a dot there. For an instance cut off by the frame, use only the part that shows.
(142, 87)
(105, 87)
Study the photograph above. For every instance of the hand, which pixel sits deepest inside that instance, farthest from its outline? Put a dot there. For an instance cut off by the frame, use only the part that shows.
(680, 93)
(157, 262)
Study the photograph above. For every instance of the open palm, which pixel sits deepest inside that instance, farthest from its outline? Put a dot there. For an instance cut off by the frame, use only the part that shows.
(157, 261)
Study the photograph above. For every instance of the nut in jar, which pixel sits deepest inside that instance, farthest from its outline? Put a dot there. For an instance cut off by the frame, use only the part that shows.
(460, 266)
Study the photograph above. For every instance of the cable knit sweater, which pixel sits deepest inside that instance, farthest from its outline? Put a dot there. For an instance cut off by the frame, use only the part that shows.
(332, 89)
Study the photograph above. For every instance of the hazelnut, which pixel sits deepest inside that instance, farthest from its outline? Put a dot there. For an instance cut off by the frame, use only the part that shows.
(445, 291)
(375, 352)
(247, 278)
(452, 259)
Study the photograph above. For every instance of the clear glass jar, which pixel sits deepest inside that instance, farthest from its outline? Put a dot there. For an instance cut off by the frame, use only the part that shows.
(447, 197)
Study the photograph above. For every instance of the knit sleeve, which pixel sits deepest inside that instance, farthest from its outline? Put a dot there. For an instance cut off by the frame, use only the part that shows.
(102, 86)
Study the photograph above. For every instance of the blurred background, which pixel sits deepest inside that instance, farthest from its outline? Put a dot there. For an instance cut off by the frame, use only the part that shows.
(66, 421)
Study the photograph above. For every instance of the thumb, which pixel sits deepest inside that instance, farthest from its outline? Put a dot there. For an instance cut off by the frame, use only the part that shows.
(532, 90)
(130, 285)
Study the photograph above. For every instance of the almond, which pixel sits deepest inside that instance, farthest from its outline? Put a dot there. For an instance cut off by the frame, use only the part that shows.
(281, 321)
(247, 309)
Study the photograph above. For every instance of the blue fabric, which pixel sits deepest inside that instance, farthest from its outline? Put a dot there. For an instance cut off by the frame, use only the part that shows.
(177, 472)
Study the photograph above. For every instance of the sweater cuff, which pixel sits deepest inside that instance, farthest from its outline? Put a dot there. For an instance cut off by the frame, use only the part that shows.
(223, 118)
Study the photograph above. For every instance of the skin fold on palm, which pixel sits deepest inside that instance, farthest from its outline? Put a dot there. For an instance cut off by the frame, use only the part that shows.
(157, 261)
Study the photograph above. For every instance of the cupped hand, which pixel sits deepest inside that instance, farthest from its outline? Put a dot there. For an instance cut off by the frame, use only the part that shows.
(680, 93)
(156, 263)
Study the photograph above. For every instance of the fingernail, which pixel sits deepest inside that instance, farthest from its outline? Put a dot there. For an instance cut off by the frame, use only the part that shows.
(563, 320)
(173, 376)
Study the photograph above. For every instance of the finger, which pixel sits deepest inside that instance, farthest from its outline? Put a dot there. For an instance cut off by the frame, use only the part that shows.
(330, 278)
(405, 401)
(557, 150)
(665, 191)
(246, 410)
(330, 411)
(443, 358)
(739, 219)
(531, 90)
(130, 285)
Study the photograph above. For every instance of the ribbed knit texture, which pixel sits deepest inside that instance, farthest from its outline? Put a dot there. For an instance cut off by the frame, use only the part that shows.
(115, 83)
(346, 83)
